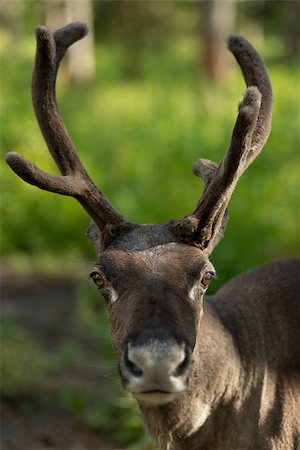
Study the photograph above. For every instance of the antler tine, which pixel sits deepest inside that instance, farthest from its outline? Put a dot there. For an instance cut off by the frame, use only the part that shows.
(250, 133)
(30, 173)
(49, 52)
(255, 74)
(75, 181)
(213, 203)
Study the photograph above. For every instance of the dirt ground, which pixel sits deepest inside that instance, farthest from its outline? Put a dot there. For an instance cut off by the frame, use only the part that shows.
(46, 428)
(42, 424)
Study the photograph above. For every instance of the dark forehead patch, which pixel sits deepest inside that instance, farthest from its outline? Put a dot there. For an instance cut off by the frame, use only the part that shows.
(143, 237)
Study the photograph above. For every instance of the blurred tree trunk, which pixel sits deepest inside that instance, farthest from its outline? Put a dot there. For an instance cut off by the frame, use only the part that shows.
(292, 30)
(80, 59)
(11, 17)
(217, 22)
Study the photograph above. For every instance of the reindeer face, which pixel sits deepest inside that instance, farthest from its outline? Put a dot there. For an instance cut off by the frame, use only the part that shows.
(154, 297)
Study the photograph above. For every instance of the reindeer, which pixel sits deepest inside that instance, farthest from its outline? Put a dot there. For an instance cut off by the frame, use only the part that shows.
(218, 372)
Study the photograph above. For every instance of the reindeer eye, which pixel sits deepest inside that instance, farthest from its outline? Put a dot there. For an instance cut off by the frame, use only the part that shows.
(207, 277)
(97, 279)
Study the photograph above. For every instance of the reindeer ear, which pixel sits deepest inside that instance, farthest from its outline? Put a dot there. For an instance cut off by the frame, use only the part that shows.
(95, 235)
(102, 238)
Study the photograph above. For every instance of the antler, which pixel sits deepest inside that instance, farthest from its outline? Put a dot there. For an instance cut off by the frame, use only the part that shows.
(74, 181)
(205, 226)
(252, 128)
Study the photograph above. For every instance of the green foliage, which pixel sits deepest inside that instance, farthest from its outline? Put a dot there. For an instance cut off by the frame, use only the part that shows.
(23, 365)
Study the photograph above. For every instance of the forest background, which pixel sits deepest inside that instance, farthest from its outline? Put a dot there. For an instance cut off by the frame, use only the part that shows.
(151, 90)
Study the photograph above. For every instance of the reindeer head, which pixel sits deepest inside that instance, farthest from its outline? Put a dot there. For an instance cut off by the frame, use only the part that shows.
(153, 277)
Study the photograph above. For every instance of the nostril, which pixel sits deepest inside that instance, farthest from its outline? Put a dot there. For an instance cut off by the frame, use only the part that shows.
(183, 366)
(131, 366)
